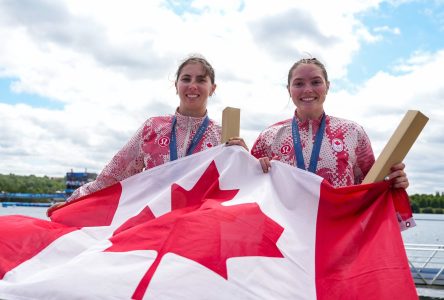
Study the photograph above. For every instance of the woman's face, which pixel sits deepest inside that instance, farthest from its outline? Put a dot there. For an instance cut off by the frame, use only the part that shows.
(194, 88)
(308, 89)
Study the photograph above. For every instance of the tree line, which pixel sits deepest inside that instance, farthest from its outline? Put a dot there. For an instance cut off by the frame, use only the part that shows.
(31, 184)
(427, 203)
(421, 203)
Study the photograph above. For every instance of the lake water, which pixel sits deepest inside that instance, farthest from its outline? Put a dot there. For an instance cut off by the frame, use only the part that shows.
(429, 230)
(36, 212)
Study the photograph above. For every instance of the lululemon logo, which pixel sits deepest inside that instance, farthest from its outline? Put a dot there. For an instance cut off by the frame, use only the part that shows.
(285, 149)
(337, 145)
(164, 141)
(209, 145)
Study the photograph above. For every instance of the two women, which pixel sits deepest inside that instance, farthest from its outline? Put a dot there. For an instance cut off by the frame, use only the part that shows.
(336, 149)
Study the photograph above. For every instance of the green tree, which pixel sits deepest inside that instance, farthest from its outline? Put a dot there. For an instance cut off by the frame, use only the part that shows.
(30, 184)
(434, 202)
(422, 202)
(427, 210)
(415, 207)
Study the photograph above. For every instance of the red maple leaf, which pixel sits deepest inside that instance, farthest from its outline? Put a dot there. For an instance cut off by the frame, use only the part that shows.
(200, 228)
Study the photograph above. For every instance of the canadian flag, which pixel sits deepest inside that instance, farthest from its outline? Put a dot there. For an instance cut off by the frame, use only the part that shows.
(213, 226)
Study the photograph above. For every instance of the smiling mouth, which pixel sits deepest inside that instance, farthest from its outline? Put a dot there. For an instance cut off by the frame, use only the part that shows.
(193, 96)
(310, 99)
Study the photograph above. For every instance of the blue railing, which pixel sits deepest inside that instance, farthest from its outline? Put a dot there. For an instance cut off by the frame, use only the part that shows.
(58, 196)
(34, 204)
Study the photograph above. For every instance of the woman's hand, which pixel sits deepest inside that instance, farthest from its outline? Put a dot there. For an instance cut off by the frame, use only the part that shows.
(237, 141)
(265, 164)
(398, 177)
(54, 207)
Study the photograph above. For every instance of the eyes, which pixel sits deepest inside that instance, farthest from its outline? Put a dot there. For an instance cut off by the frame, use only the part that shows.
(198, 79)
(314, 82)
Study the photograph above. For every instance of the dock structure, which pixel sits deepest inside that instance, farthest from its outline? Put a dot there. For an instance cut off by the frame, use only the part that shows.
(32, 204)
(26, 199)
(427, 264)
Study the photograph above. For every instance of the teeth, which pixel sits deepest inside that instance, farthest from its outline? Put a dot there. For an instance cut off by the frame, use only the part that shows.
(192, 96)
(307, 99)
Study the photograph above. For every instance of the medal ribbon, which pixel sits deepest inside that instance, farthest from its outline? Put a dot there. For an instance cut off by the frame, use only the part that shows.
(316, 147)
(196, 139)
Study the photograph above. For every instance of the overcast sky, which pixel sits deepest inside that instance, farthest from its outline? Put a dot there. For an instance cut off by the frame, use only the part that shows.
(78, 77)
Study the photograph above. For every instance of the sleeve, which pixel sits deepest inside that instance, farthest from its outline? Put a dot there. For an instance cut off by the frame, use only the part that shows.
(260, 148)
(364, 156)
(127, 162)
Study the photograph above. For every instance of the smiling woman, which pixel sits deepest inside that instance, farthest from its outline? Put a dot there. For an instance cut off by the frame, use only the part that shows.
(166, 138)
(336, 149)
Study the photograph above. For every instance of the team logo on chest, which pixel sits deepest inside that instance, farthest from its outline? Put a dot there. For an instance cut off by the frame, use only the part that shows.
(337, 145)
(285, 149)
(164, 141)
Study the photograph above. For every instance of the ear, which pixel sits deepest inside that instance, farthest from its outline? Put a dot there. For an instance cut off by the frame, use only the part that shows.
(288, 89)
(213, 88)
(328, 87)
(175, 85)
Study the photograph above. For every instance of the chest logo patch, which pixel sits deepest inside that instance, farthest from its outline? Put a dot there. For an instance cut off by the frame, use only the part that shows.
(285, 149)
(337, 145)
(164, 141)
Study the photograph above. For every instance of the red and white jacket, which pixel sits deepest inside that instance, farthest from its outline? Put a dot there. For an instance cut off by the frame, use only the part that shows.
(345, 157)
(149, 147)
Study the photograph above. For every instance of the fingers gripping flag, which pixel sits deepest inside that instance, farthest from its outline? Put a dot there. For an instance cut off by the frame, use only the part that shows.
(212, 226)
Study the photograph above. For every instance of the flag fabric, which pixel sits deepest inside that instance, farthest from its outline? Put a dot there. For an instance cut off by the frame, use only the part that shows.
(213, 226)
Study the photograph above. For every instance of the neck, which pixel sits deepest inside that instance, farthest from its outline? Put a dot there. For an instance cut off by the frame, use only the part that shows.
(306, 117)
(192, 113)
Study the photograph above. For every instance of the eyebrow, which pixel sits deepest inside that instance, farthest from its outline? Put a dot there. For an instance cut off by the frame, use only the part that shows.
(198, 76)
(311, 78)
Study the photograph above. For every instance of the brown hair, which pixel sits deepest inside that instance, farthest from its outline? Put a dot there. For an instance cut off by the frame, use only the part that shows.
(313, 61)
(196, 58)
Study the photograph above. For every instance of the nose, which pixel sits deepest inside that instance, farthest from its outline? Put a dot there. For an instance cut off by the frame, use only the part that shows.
(193, 85)
(308, 88)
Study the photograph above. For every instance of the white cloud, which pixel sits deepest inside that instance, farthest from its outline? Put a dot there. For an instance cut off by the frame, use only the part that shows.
(113, 68)
(416, 61)
(382, 102)
(384, 29)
